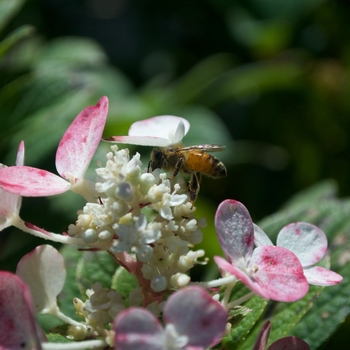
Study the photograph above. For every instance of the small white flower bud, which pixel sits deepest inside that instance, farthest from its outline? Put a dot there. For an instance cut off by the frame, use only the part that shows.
(89, 236)
(179, 280)
(146, 182)
(124, 191)
(144, 253)
(158, 283)
(105, 235)
(76, 332)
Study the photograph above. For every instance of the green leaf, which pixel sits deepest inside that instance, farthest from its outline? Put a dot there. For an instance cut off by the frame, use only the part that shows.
(241, 329)
(57, 338)
(71, 289)
(324, 190)
(70, 51)
(331, 309)
(48, 322)
(8, 9)
(14, 38)
(95, 267)
(124, 283)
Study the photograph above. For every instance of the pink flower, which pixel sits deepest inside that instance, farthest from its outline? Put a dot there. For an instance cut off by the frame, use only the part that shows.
(309, 244)
(10, 203)
(73, 156)
(287, 343)
(17, 322)
(161, 131)
(193, 320)
(271, 272)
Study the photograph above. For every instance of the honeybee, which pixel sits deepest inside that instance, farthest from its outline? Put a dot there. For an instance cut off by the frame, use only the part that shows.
(193, 160)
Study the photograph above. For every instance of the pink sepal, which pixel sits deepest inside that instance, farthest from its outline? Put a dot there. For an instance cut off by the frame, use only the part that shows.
(80, 141)
(196, 315)
(137, 329)
(319, 276)
(18, 329)
(31, 182)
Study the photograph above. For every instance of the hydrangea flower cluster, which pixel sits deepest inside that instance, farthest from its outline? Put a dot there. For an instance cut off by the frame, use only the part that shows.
(146, 222)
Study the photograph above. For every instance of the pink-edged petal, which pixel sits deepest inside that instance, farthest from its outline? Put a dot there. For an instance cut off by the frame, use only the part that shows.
(140, 140)
(320, 276)
(252, 284)
(80, 141)
(18, 329)
(289, 343)
(10, 205)
(31, 182)
(279, 273)
(20, 154)
(260, 237)
(161, 131)
(138, 329)
(306, 241)
(263, 337)
(235, 231)
(194, 313)
(44, 271)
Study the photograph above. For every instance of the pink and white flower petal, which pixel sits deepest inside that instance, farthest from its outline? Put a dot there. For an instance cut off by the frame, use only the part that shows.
(44, 271)
(279, 273)
(194, 313)
(10, 204)
(17, 323)
(80, 141)
(147, 132)
(20, 154)
(235, 231)
(31, 182)
(260, 237)
(306, 241)
(273, 273)
(138, 329)
(252, 284)
(320, 276)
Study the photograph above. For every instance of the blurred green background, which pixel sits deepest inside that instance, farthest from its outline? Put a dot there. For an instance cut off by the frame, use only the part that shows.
(269, 79)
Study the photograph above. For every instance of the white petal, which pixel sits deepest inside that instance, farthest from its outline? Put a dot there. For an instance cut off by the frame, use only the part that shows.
(306, 241)
(161, 131)
(320, 276)
(260, 237)
(177, 199)
(44, 271)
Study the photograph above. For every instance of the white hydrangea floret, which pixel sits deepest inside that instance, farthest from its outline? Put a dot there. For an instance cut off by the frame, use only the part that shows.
(103, 305)
(163, 199)
(136, 238)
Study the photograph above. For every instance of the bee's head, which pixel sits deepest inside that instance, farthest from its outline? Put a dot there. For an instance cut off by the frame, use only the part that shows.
(156, 160)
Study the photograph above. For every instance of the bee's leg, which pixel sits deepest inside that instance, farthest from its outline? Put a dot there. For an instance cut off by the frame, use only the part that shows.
(149, 165)
(178, 166)
(193, 187)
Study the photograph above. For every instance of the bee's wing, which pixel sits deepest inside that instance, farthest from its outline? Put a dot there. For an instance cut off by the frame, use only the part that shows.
(206, 148)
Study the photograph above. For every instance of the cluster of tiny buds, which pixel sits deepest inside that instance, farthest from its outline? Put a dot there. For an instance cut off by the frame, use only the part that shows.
(145, 215)
(98, 310)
